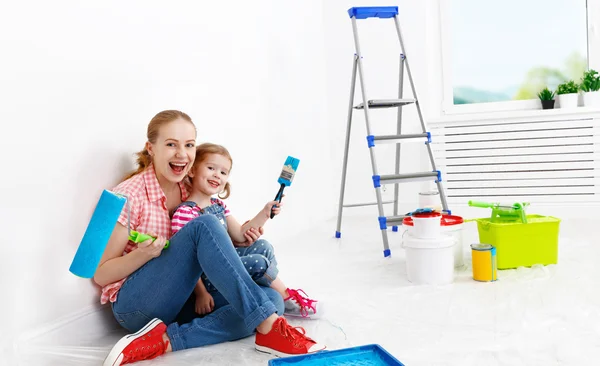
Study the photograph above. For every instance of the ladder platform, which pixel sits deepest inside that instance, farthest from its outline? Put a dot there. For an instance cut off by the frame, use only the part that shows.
(410, 177)
(386, 103)
(364, 12)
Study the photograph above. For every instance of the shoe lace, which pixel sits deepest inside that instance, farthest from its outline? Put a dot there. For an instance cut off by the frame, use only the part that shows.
(296, 335)
(303, 301)
(145, 352)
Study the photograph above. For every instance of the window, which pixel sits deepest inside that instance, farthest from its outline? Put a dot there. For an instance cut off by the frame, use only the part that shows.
(497, 55)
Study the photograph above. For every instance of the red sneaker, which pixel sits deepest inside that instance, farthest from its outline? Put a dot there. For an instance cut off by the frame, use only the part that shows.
(284, 340)
(147, 343)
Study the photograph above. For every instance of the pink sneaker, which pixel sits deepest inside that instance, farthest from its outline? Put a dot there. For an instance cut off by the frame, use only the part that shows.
(299, 305)
(146, 344)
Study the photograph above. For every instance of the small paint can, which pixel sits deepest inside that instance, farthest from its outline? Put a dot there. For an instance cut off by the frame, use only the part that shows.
(484, 262)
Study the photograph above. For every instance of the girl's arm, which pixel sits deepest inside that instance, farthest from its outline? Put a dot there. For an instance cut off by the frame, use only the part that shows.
(114, 266)
(236, 231)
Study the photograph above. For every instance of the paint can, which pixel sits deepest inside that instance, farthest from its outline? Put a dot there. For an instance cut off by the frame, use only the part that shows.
(484, 262)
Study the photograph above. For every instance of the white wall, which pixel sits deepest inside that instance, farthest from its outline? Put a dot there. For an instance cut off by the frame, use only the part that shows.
(79, 83)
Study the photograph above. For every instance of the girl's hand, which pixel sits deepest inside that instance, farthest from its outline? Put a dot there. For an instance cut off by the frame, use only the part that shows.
(204, 303)
(152, 248)
(251, 236)
(273, 205)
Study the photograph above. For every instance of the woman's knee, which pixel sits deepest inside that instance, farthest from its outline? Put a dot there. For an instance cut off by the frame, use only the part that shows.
(201, 228)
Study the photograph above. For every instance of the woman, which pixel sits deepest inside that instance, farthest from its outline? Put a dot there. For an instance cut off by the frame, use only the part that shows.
(151, 289)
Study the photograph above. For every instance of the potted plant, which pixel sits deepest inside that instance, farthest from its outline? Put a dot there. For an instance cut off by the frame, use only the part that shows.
(547, 98)
(590, 85)
(568, 94)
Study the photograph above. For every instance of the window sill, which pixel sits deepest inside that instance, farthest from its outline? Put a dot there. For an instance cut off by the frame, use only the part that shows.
(521, 114)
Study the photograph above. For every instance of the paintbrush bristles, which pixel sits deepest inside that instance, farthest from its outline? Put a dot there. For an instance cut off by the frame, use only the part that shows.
(288, 171)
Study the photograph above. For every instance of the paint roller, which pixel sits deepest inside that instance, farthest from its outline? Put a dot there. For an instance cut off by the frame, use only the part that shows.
(98, 233)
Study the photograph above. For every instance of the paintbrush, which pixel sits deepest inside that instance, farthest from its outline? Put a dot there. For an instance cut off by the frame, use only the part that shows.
(285, 178)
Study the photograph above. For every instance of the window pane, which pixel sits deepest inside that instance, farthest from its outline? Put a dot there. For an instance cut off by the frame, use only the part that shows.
(510, 49)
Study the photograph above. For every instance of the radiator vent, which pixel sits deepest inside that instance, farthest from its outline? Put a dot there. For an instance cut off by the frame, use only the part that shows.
(533, 161)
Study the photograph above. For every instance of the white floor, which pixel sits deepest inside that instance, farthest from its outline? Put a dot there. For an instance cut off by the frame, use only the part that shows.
(531, 316)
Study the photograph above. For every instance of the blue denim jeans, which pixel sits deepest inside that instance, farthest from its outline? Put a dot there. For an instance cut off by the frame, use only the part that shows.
(259, 258)
(162, 289)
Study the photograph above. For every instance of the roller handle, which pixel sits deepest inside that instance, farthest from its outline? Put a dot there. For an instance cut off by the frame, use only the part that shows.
(482, 204)
(139, 238)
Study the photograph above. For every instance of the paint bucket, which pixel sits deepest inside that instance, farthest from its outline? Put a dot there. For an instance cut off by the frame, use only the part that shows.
(429, 261)
(484, 262)
(430, 199)
(427, 225)
(450, 225)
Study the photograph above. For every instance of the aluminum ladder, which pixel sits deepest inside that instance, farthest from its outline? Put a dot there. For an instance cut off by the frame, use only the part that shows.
(368, 104)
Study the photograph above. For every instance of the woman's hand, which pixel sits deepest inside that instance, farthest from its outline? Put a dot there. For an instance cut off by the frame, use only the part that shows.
(152, 247)
(204, 303)
(251, 236)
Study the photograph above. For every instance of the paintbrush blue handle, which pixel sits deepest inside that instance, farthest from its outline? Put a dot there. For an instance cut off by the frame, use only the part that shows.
(278, 198)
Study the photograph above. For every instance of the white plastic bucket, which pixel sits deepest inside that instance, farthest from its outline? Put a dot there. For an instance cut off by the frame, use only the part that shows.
(450, 226)
(430, 199)
(427, 226)
(429, 261)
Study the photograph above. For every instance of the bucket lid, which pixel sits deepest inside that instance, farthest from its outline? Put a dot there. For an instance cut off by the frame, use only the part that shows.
(447, 220)
(443, 241)
(423, 215)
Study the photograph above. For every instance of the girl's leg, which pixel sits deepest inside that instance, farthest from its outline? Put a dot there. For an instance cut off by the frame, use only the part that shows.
(297, 303)
(260, 262)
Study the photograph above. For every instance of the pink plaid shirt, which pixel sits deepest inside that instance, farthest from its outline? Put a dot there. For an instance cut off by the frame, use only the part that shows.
(149, 213)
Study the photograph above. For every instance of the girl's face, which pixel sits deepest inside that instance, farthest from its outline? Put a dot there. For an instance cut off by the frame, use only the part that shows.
(210, 175)
(174, 151)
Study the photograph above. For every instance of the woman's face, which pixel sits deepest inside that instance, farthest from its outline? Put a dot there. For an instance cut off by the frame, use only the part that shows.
(174, 151)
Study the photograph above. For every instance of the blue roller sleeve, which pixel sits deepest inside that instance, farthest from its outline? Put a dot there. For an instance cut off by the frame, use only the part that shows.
(96, 235)
(373, 12)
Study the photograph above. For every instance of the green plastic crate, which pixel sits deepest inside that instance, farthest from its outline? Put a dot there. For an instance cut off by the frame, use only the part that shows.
(518, 244)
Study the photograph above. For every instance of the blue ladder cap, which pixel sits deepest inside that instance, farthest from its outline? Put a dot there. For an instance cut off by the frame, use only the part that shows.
(373, 12)
(387, 253)
(376, 181)
(371, 140)
(395, 228)
(428, 137)
(439, 176)
(382, 222)
(338, 234)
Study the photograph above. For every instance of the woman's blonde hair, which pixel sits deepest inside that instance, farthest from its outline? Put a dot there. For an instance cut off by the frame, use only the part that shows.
(160, 119)
(208, 148)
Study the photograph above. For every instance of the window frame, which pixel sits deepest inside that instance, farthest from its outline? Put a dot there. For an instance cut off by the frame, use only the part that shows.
(448, 106)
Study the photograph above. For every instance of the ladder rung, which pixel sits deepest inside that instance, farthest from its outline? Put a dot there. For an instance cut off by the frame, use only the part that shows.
(385, 220)
(386, 103)
(367, 204)
(410, 177)
(394, 219)
(397, 138)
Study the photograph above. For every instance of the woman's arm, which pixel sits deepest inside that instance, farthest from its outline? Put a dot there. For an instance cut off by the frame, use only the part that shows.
(114, 266)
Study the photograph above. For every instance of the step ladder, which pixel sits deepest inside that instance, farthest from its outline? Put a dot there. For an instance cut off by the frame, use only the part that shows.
(367, 105)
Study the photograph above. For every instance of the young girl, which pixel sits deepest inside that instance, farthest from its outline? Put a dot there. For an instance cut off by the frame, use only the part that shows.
(209, 176)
